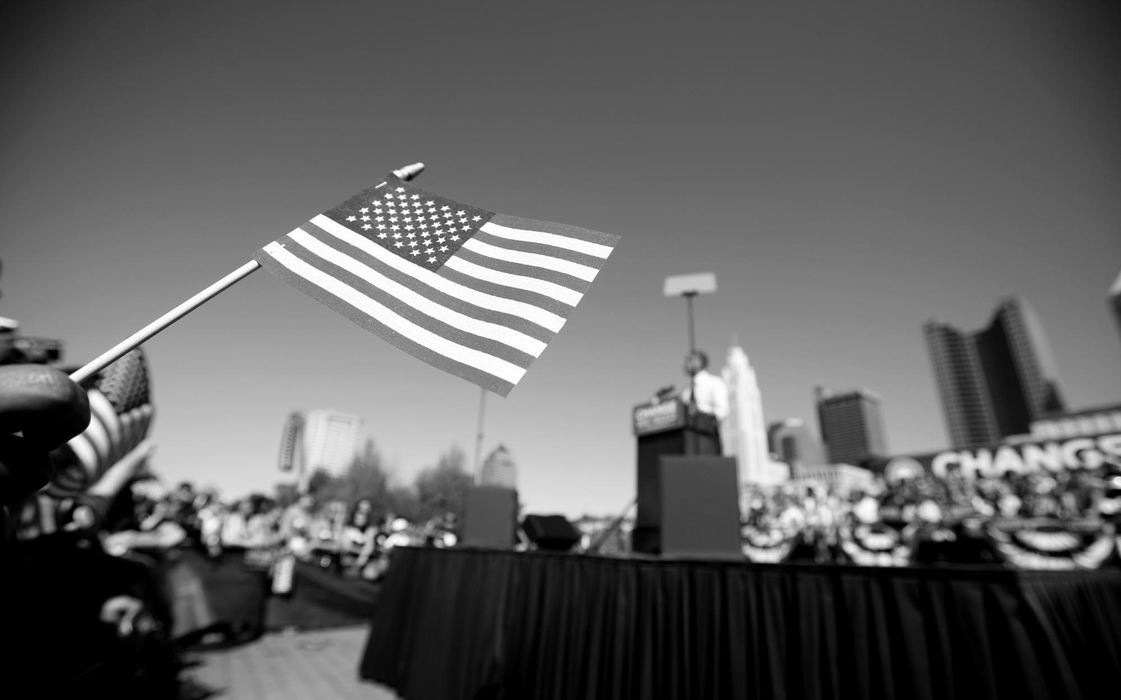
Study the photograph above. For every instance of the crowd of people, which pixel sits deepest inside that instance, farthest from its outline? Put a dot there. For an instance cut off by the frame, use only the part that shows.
(348, 539)
(923, 508)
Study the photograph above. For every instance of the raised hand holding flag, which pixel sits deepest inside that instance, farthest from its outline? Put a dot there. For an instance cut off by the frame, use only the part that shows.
(472, 292)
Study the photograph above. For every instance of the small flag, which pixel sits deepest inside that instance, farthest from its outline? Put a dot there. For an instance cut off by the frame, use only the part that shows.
(121, 413)
(474, 293)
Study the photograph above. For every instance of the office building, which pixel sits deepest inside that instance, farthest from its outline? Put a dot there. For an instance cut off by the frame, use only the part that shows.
(1115, 301)
(790, 440)
(320, 439)
(851, 425)
(499, 469)
(993, 383)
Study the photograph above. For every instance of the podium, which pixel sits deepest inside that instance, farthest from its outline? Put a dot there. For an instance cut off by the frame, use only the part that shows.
(663, 429)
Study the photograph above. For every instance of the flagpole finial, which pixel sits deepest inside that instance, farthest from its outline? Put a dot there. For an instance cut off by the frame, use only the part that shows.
(408, 172)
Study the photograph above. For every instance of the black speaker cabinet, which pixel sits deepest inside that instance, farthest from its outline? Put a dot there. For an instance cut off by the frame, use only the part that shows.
(551, 532)
(700, 507)
(491, 517)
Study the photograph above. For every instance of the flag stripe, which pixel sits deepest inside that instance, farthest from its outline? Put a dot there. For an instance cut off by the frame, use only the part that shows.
(554, 306)
(531, 308)
(546, 262)
(375, 317)
(102, 410)
(581, 234)
(551, 240)
(589, 261)
(490, 338)
(483, 258)
(475, 266)
(462, 302)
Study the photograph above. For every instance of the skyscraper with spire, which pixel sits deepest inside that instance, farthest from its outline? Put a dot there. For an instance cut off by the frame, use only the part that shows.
(743, 432)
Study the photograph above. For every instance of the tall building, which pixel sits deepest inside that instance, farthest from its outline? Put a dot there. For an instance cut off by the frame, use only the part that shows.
(961, 385)
(851, 424)
(499, 469)
(743, 432)
(320, 439)
(1115, 300)
(791, 441)
(996, 381)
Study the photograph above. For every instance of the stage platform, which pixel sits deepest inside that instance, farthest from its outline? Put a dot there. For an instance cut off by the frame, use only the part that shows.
(463, 623)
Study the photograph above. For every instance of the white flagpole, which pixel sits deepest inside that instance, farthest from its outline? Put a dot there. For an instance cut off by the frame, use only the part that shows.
(479, 434)
(118, 351)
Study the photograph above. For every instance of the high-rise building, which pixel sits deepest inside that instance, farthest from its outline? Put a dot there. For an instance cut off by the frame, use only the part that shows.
(851, 424)
(791, 441)
(320, 439)
(743, 432)
(1115, 300)
(961, 385)
(499, 469)
(994, 382)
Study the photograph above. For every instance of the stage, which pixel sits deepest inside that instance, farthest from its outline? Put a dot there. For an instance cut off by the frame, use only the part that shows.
(471, 623)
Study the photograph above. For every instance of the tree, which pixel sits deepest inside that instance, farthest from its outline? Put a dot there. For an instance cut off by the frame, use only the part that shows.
(321, 485)
(442, 489)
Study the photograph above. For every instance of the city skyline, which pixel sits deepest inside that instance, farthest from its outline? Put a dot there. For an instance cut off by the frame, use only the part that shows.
(845, 172)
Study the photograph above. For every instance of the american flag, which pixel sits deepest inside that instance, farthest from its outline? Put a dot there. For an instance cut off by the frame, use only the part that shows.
(469, 291)
(121, 415)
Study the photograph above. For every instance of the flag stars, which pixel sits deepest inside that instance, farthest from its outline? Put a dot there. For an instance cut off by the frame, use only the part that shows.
(432, 259)
(400, 189)
(352, 218)
(414, 252)
(476, 218)
(366, 227)
(364, 210)
(399, 244)
(443, 249)
(455, 237)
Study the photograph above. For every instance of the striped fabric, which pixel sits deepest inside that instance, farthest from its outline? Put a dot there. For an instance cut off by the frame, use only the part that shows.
(121, 415)
(474, 293)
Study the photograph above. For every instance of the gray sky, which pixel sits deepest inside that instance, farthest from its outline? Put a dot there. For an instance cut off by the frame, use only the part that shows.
(847, 170)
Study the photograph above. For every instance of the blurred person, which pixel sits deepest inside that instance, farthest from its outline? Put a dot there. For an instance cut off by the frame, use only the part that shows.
(98, 638)
(706, 392)
(296, 526)
(234, 531)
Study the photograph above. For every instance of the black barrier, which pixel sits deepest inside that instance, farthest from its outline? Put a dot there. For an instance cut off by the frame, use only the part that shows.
(468, 624)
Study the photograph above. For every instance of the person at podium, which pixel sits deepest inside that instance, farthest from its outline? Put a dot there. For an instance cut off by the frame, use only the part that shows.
(706, 394)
